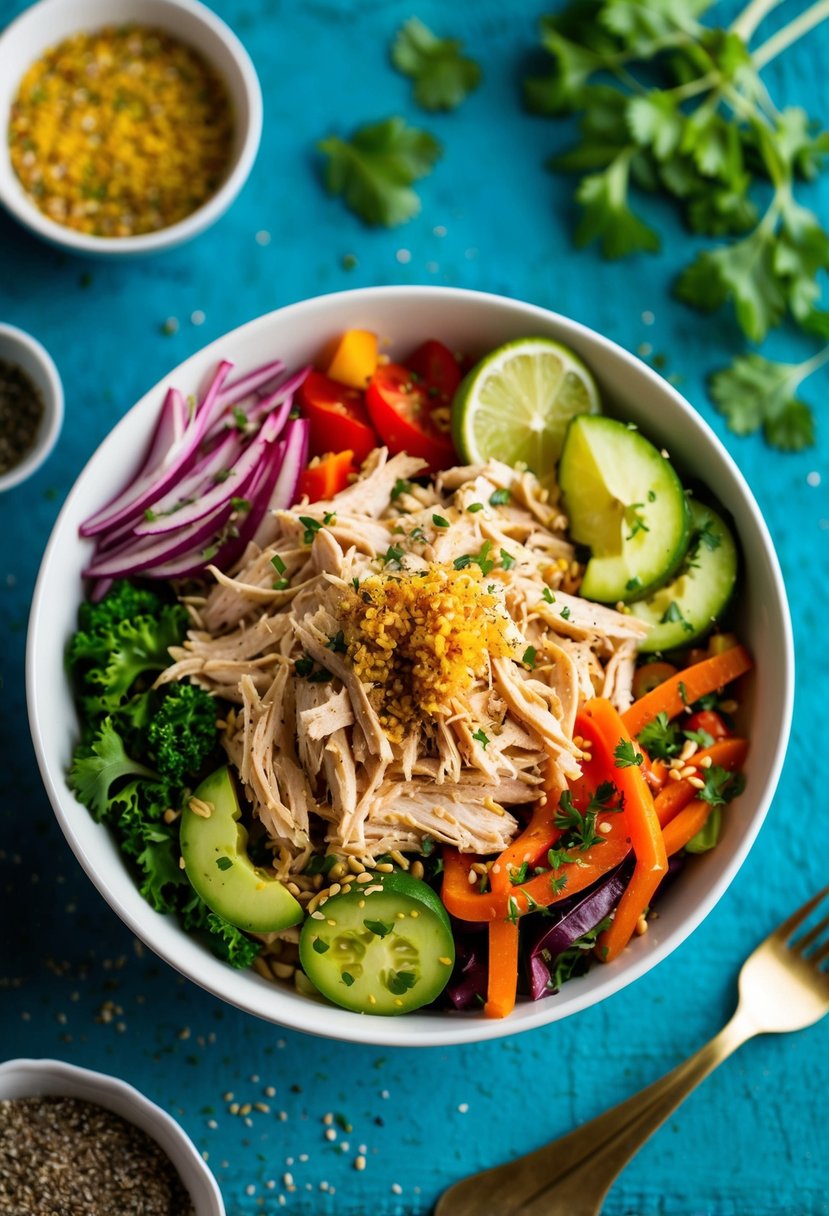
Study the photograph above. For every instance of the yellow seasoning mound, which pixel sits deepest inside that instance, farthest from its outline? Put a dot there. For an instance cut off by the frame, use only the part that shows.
(120, 132)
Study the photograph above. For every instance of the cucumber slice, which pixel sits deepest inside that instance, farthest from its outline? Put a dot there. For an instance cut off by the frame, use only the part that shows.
(688, 605)
(385, 948)
(217, 863)
(626, 503)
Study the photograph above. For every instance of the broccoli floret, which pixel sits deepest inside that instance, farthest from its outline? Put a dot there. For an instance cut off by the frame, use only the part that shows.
(123, 602)
(182, 732)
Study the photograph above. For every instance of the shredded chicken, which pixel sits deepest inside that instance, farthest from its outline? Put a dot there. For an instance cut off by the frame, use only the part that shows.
(407, 660)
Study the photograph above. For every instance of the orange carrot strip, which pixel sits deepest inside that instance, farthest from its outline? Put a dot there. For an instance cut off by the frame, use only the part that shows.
(727, 753)
(690, 820)
(639, 813)
(502, 980)
(637, 895)
(697, 680)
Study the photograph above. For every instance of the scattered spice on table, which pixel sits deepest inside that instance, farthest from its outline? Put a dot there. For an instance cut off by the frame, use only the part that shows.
(67, 1155)
(21, 410)
(122, 131)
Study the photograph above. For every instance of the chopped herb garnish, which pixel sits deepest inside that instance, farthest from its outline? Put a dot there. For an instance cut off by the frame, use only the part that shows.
(304, 666)
(565, 613)
(378, 927)
(355, 583)
(529, 656)
(484, 563)
(475, 507)
(209, 553)
(633, 584)
(498, 497)
(558, 883)
(674, 613)
(625, 754)
(519, 875)
(320, 946)
(683, 692)
(512, 910)
(482, 737)
(507, 560)
(337, 643)
(700, 737)
(320, 676)
(278, 564)
(393, 556)
(149, 514)
(440, 522)
(240, 504)
(240, 418)
(427, 846)
(399, 982)
(720, 785)
(329, 518)
(401, 486)
(224, 863)
(548, 596)
(347, 978)
(320, 863)
(221, 476)
(660, 738)
(312, 526)
(281, 584)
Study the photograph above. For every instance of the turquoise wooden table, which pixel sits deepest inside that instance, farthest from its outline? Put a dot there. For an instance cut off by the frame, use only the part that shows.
(74, 983)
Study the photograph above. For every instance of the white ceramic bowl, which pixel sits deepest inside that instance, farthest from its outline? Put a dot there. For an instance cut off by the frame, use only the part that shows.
(47, 23)
(33, 1078)
(473, 322)
(16, 346)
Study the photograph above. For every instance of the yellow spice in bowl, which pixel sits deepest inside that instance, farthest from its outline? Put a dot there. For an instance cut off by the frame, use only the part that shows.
(120, 132)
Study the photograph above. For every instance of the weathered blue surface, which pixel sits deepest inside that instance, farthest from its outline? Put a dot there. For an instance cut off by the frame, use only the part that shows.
(753, 1140)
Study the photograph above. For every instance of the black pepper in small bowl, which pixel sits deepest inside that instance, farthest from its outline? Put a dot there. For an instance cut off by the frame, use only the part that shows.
(66, 1155)
(21, 412)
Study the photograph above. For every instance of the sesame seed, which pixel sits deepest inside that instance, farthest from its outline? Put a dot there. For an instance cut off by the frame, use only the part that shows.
(463, 1107)
(263, 237)
(397, 1189)
(403, 256)
(360, 1162)
(250, 1189)
(197, 317)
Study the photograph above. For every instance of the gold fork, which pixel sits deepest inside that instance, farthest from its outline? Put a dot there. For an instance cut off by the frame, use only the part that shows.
(782, 986)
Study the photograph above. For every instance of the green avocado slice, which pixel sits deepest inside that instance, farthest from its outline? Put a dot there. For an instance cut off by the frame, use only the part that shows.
(217, 863)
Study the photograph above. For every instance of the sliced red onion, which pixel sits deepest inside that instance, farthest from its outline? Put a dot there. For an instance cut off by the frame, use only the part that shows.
(202, 475)
(131, 503)
(294, 460)
(172, 422)
(284, 392)
(573, 918)
(235, 485)
(149, 551)
(243, 386)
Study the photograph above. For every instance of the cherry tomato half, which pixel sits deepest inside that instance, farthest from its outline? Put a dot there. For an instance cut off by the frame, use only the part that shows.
(408, 417)
(337, 416)
(709, 721)
(437, 368)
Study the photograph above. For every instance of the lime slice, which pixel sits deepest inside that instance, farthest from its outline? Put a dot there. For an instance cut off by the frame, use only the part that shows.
(515, 404)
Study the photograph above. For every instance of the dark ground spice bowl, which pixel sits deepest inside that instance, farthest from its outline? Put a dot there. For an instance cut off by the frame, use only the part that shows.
(68, 1115)
(31, 405)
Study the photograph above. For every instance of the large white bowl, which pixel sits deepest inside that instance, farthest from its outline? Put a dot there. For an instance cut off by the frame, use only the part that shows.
(56, 1079)
(473, 322)
(47, 23)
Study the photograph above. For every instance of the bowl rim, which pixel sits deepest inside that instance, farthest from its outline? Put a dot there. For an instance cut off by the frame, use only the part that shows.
(62, 1079)
(53, 406)
(22, 209)
(329, 1021)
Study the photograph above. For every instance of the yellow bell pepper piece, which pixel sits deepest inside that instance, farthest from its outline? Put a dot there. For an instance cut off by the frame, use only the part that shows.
(354, 358)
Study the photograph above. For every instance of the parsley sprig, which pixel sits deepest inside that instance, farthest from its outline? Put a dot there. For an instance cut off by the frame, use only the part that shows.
(669, 104)
(579, 827)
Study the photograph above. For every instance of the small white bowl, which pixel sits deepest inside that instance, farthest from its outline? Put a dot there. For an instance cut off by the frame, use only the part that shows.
(50, 21)
(473, 322)
(16, 346)
(53, 1078)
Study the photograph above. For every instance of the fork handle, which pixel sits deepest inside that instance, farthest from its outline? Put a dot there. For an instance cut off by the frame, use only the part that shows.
(571, 1176)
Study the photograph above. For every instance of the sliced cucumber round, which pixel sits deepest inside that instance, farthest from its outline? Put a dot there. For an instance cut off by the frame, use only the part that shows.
(385, 947)
(688, 605)
(626, 503)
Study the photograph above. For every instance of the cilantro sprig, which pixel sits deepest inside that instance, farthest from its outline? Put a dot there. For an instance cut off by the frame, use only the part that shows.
(375, 170)
(669, 104)
(442, 75)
